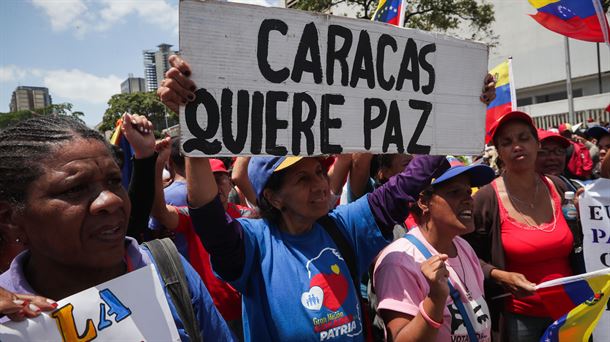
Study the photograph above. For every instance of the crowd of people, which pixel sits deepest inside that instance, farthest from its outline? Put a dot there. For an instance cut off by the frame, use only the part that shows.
(346, 247)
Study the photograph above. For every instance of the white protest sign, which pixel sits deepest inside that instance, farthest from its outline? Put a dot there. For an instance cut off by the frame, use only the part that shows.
(278, 81)
(594, 206)
(132, 307)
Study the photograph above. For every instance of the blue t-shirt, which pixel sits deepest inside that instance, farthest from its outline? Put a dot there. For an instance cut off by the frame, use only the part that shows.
(175, 194)
(297, 287)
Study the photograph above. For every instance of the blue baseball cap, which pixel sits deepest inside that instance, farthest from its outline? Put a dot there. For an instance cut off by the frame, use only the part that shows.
(479, 174)
(260, 170)
(597, 132)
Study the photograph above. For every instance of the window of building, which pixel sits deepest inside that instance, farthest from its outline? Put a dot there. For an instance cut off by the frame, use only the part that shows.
(526, 101)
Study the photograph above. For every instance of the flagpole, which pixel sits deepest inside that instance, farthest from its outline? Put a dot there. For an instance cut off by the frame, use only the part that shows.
(401, 19)
(511, 82)
(571, 116)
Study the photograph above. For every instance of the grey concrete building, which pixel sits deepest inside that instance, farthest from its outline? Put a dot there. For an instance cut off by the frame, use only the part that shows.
(133, 85)
(156, 64)
(29, 98)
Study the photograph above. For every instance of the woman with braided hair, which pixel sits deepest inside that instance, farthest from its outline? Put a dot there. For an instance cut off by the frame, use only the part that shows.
(61, 195)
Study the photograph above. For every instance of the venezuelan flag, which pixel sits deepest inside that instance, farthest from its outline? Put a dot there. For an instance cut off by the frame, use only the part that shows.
(389, 11)
(576, 303)
(505, 100)
(576, 19)
(118, 139)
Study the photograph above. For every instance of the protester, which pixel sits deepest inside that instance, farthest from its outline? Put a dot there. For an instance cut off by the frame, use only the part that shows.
(176, 218)
(602, 136)
(175, 194)
(521, 236)
(551, 158)
(62, 195)
(412, 289)
(579, 164)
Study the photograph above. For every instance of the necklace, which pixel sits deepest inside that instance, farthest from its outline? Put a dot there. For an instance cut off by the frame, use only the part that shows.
(530, 204)
(463, 280)
(530, 224)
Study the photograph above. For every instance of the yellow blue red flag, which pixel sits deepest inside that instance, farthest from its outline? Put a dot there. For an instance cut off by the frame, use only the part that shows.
(118, 139)
(390, 11)
(576, 303)
(578, 19)
(505, 100)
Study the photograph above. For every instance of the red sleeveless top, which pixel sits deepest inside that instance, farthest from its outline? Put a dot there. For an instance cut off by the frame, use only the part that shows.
(540, 253)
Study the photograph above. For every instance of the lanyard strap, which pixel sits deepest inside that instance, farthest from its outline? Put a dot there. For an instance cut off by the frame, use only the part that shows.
(455, 295)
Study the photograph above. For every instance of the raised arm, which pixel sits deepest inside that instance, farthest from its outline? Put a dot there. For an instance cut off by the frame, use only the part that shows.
(338, 172)
(239, 177)
(165, 214)
(359, 174)
(139, 132)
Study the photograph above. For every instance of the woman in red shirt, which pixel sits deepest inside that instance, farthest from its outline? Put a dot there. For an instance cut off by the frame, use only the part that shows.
(521, 235)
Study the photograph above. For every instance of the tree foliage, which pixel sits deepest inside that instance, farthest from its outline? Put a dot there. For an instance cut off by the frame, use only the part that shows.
(7, 119)
(147, 104)
(428, 15)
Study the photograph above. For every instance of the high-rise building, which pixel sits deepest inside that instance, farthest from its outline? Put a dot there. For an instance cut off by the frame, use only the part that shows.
(133, 85)
(156, 64)
(29, 98)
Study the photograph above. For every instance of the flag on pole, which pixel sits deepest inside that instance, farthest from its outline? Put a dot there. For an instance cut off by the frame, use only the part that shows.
(390, 11)
(505, 100)
(578, 19)
(576, 303)
(118, 139)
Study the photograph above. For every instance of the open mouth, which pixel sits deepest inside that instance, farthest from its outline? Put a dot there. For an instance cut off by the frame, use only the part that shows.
(465, 214)
(110, 234)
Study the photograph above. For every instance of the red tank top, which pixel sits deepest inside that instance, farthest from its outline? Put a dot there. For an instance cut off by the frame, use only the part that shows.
(539, 253)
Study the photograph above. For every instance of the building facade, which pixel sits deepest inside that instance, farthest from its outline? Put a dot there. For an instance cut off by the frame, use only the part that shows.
(30, 98)
(156, 64)
(133, 85)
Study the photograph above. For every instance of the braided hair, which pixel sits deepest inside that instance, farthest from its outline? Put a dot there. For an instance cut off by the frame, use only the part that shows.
(25, 145)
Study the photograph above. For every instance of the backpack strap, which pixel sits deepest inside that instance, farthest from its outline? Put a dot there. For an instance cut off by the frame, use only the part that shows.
(170, 268)
(455, 295)
(347, 252)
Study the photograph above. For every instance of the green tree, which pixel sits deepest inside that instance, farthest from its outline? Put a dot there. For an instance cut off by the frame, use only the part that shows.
(7, 119)
(428, 15)
(138, 103)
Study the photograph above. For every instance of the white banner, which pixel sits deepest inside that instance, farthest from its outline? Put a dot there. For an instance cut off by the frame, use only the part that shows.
(132, 307)
(594, 206)
(278, 81)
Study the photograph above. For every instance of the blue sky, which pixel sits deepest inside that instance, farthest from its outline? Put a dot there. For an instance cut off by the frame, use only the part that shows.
(82, 49)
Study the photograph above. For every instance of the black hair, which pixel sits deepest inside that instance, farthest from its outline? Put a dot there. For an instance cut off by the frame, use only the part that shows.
(25, 145)
(176, 156)
(531, 128)
(267, 210)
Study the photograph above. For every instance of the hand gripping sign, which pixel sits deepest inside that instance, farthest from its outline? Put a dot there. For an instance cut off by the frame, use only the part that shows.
(132, 307)
(285, 82)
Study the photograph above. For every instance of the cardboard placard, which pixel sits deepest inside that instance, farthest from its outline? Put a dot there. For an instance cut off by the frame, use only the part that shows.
(285, 82)
(132, 307)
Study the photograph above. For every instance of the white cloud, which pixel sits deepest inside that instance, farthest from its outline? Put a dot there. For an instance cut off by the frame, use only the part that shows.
(78, 85)
(83, 16)
(10, 73)
(267, 3)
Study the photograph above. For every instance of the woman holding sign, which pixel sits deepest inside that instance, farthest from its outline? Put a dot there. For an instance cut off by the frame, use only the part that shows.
(61, 194)
(521, 235)
(429, 283)
(297, 267)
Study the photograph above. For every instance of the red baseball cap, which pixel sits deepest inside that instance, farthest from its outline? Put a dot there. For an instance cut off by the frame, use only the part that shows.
(218, 166)
(517, 115)
(548, 135)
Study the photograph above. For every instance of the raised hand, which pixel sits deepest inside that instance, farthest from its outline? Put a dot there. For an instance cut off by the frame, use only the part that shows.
(436, 274)
(164, 148)
(489, 89)
(139, 132)
(177, 89)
